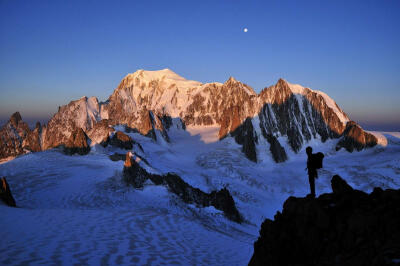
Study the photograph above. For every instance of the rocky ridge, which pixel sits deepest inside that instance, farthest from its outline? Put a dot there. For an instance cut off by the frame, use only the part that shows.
(149, 101)
(17, 138)
(136, 173)
(346, 227)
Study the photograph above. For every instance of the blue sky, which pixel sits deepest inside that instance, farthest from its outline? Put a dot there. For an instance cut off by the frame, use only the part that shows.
(52, 52)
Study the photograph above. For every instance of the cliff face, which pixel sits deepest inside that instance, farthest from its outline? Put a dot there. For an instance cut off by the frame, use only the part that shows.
(284, 110)
(82, 113)
(300, 114)
(283, 106)
(148, 101)
(346, 227)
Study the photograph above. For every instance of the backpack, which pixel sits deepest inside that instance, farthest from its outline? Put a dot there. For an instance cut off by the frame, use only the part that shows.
(317, 159)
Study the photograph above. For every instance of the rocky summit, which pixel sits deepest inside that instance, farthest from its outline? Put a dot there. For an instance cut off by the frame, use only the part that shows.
(346, 227)
(17, 138)
(281, 117)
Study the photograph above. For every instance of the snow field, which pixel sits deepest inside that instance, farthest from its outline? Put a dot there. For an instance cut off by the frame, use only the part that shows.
(77, 210)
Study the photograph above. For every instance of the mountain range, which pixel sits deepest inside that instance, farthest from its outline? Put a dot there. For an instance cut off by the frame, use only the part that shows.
(281, 117)
(179, 172)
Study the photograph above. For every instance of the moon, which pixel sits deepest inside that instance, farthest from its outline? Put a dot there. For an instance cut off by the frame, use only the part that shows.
(245, 29)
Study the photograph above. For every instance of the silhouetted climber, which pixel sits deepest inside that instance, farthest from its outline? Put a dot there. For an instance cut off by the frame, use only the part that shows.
(5, 193)
(314, 162)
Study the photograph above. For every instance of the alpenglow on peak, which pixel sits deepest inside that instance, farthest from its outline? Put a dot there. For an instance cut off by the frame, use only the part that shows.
(285, 115)
(165, 77)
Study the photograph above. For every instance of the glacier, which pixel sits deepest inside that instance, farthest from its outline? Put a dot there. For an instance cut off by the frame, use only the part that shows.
(77, 210)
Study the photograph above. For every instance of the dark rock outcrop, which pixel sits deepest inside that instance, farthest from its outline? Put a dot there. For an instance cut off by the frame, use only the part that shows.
(245, 136)
(117, 157)
(77, 143)
(136, 175)
(277, 151)
(121, 140)
(346, 227)
(222, 200)
(355, 138)
(5, 193)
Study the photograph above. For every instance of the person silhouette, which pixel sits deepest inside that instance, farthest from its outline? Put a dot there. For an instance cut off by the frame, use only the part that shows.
(312, 170)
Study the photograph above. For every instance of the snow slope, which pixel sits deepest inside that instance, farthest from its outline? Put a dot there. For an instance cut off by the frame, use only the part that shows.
(77, 210)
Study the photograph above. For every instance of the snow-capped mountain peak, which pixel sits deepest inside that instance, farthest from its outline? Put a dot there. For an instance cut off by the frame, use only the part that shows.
(283, 87)
(285, 114)
(165, 77)
(234, 83)
(298, 89)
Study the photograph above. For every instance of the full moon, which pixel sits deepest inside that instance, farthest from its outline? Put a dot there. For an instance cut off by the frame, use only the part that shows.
(245, 30)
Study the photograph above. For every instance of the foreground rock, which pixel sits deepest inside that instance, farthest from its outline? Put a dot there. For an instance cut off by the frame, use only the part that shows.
(346, 227)
(77, 143)
(5, 193)
(136, 175)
